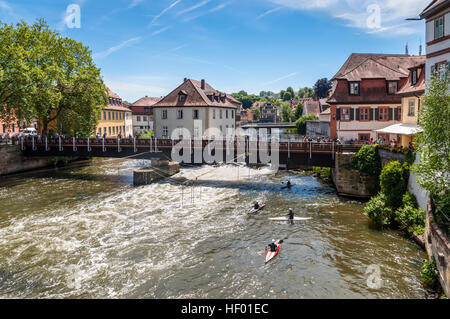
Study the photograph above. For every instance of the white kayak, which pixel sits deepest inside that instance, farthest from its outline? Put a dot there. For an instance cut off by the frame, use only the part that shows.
(252, 211)
(271, 254)
(286, 219)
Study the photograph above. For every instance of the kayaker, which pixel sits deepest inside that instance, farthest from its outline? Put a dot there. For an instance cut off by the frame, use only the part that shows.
(272, 246)
(290, 214)
(256, 206)
(289, 184)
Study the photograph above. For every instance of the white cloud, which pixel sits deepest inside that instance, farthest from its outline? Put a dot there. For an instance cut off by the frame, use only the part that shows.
(220, 6)
(269, 12)
(281, 78)
(356, 13)
(194, 7)
(160, 30)
(122, 45)
(164, 11)
(134, 3)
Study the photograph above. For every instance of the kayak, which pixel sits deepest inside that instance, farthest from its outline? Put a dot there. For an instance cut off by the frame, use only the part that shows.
(252, 211)
(286, 219)
(288, 187)
(271, 254)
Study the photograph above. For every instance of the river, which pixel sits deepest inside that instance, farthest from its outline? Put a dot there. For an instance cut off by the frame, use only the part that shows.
(84, 231)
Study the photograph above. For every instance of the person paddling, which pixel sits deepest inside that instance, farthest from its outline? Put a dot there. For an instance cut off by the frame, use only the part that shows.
(272, 246)
(290, 214)
(256, 206)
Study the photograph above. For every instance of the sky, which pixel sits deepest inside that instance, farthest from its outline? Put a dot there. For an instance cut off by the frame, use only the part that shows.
(147, 47)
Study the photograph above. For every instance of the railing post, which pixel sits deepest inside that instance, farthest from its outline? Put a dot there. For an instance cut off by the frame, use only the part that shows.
(289, 147)
(60, 144)
(103, 145)
(118, 145)
(156, 144)
(46, 144)
(74, 145)
(134, 144)
(32, 143)
(89, 144)
(332, 150)
(310, 150)
(21, 144)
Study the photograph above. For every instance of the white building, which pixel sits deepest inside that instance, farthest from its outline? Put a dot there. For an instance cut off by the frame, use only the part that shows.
(437, 17)
(198, 108)
(143, 114)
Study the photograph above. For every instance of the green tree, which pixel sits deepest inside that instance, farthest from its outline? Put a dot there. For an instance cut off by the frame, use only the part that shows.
(301, 123)
(322, 87)
(433, 144)
(247, 100)
(298, 111)
(306, 92)
(393, 182)
(61, 81)
(367, 160)
(256, 113)
(286, 113)
(291, 91)
(287, 96)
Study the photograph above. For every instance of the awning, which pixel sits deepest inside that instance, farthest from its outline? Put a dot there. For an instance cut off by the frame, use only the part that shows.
(402, 129)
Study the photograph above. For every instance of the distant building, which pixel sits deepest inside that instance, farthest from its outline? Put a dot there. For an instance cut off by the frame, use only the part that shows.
(11, 128)
(364, 95)
(196, 107)
(311, 107)
(437, 17)
(268, 111)
(115, 118)
(142, 111)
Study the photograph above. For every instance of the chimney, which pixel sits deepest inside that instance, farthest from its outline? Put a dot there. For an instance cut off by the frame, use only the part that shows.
(185, 79)
(203, 84)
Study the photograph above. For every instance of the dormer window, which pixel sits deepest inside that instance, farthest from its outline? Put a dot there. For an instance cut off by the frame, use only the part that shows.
(392, 87)
(181, 98)
(354, 88)
(414, 77)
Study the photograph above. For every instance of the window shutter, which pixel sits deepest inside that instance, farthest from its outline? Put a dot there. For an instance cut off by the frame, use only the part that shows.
(371, 114)
(338, 114)
(390, 114)
(352, 114)
(376, 114)
(358, 117)
(396, 114)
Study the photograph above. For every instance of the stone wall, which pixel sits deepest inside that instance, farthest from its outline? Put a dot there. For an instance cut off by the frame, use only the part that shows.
(12, 160)
(438, 247)
(349, 181)
(147, 176)
(387, 156)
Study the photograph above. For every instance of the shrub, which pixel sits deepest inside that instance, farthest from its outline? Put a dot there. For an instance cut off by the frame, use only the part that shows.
(429, 273)
(393, 182)
(378, 211)
(367, 160)
(409, 158)
(409, 200)
(409, 218)
(300, 124)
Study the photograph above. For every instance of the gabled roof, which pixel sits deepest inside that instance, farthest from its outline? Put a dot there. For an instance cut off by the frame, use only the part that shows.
(113, 95)
(312, 107)
(408, 89)
(370, 66)
(147, 101)
(434, 7)
(196, 96)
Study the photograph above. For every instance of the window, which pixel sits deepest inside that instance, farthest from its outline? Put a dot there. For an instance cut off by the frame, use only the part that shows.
(232, 114)
(113, 114)
(104, 130)
(220, 114)
(114, 130)
(138, 118)
(364, 114)
(109, 130)
(354, 88)
(164, 114)
(180, 114)
(145, 118)
(392, 87)
(196, 131)
(195, 115)
(439, 27)
(399, 117)
(181, 98)
(146, 110)
(411, 107)
(364, 137)
(214, 114)
(104, 115)
(109, 116)
(100, 131)
(221, 129)
(226, 113)
(345, 114)
(165, 131)
(414, 77)
(383, 114)
(442, 70)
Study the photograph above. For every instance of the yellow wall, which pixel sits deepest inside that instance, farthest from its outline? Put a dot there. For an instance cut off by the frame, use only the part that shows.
(110, 126)
(406, 117)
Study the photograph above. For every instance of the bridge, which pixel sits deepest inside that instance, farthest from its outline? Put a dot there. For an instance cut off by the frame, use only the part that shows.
(290, 154)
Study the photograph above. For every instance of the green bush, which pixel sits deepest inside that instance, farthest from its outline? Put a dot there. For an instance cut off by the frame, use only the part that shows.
(410, 218)
(300, 124)
(322, 172)
(429, 273)
(409, 200)
(409, 158)
(378, 211)
(367, 160)
(393, 182)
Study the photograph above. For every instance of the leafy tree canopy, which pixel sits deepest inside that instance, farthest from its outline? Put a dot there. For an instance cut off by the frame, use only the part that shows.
(322, 87)
(306, 92)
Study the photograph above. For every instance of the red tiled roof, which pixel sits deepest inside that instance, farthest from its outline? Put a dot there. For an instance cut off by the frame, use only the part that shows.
(419, 88)
(196, 96)
(147, 101)
(116, 108)
(112, 94)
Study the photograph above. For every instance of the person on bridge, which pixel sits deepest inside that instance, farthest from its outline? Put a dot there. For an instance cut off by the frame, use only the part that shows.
(290, 214)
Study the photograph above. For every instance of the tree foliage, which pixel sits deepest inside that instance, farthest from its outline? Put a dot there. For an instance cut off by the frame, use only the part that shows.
(256, 113)
(45, 76)
(322, 87)
(246, 99)
(378, 211)
(298, 111)
(393, 182)
(367, 160)
(306, 92)
(433, 145)
(301, 123)
(286, 113)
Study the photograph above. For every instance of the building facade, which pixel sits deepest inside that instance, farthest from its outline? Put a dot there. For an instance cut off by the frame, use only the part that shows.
(364, 95)
(198, 108)
(142, 111)
(115, 119)
(437, 17)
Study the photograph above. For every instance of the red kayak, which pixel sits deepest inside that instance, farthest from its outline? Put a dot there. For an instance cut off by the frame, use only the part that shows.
(271, 254)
